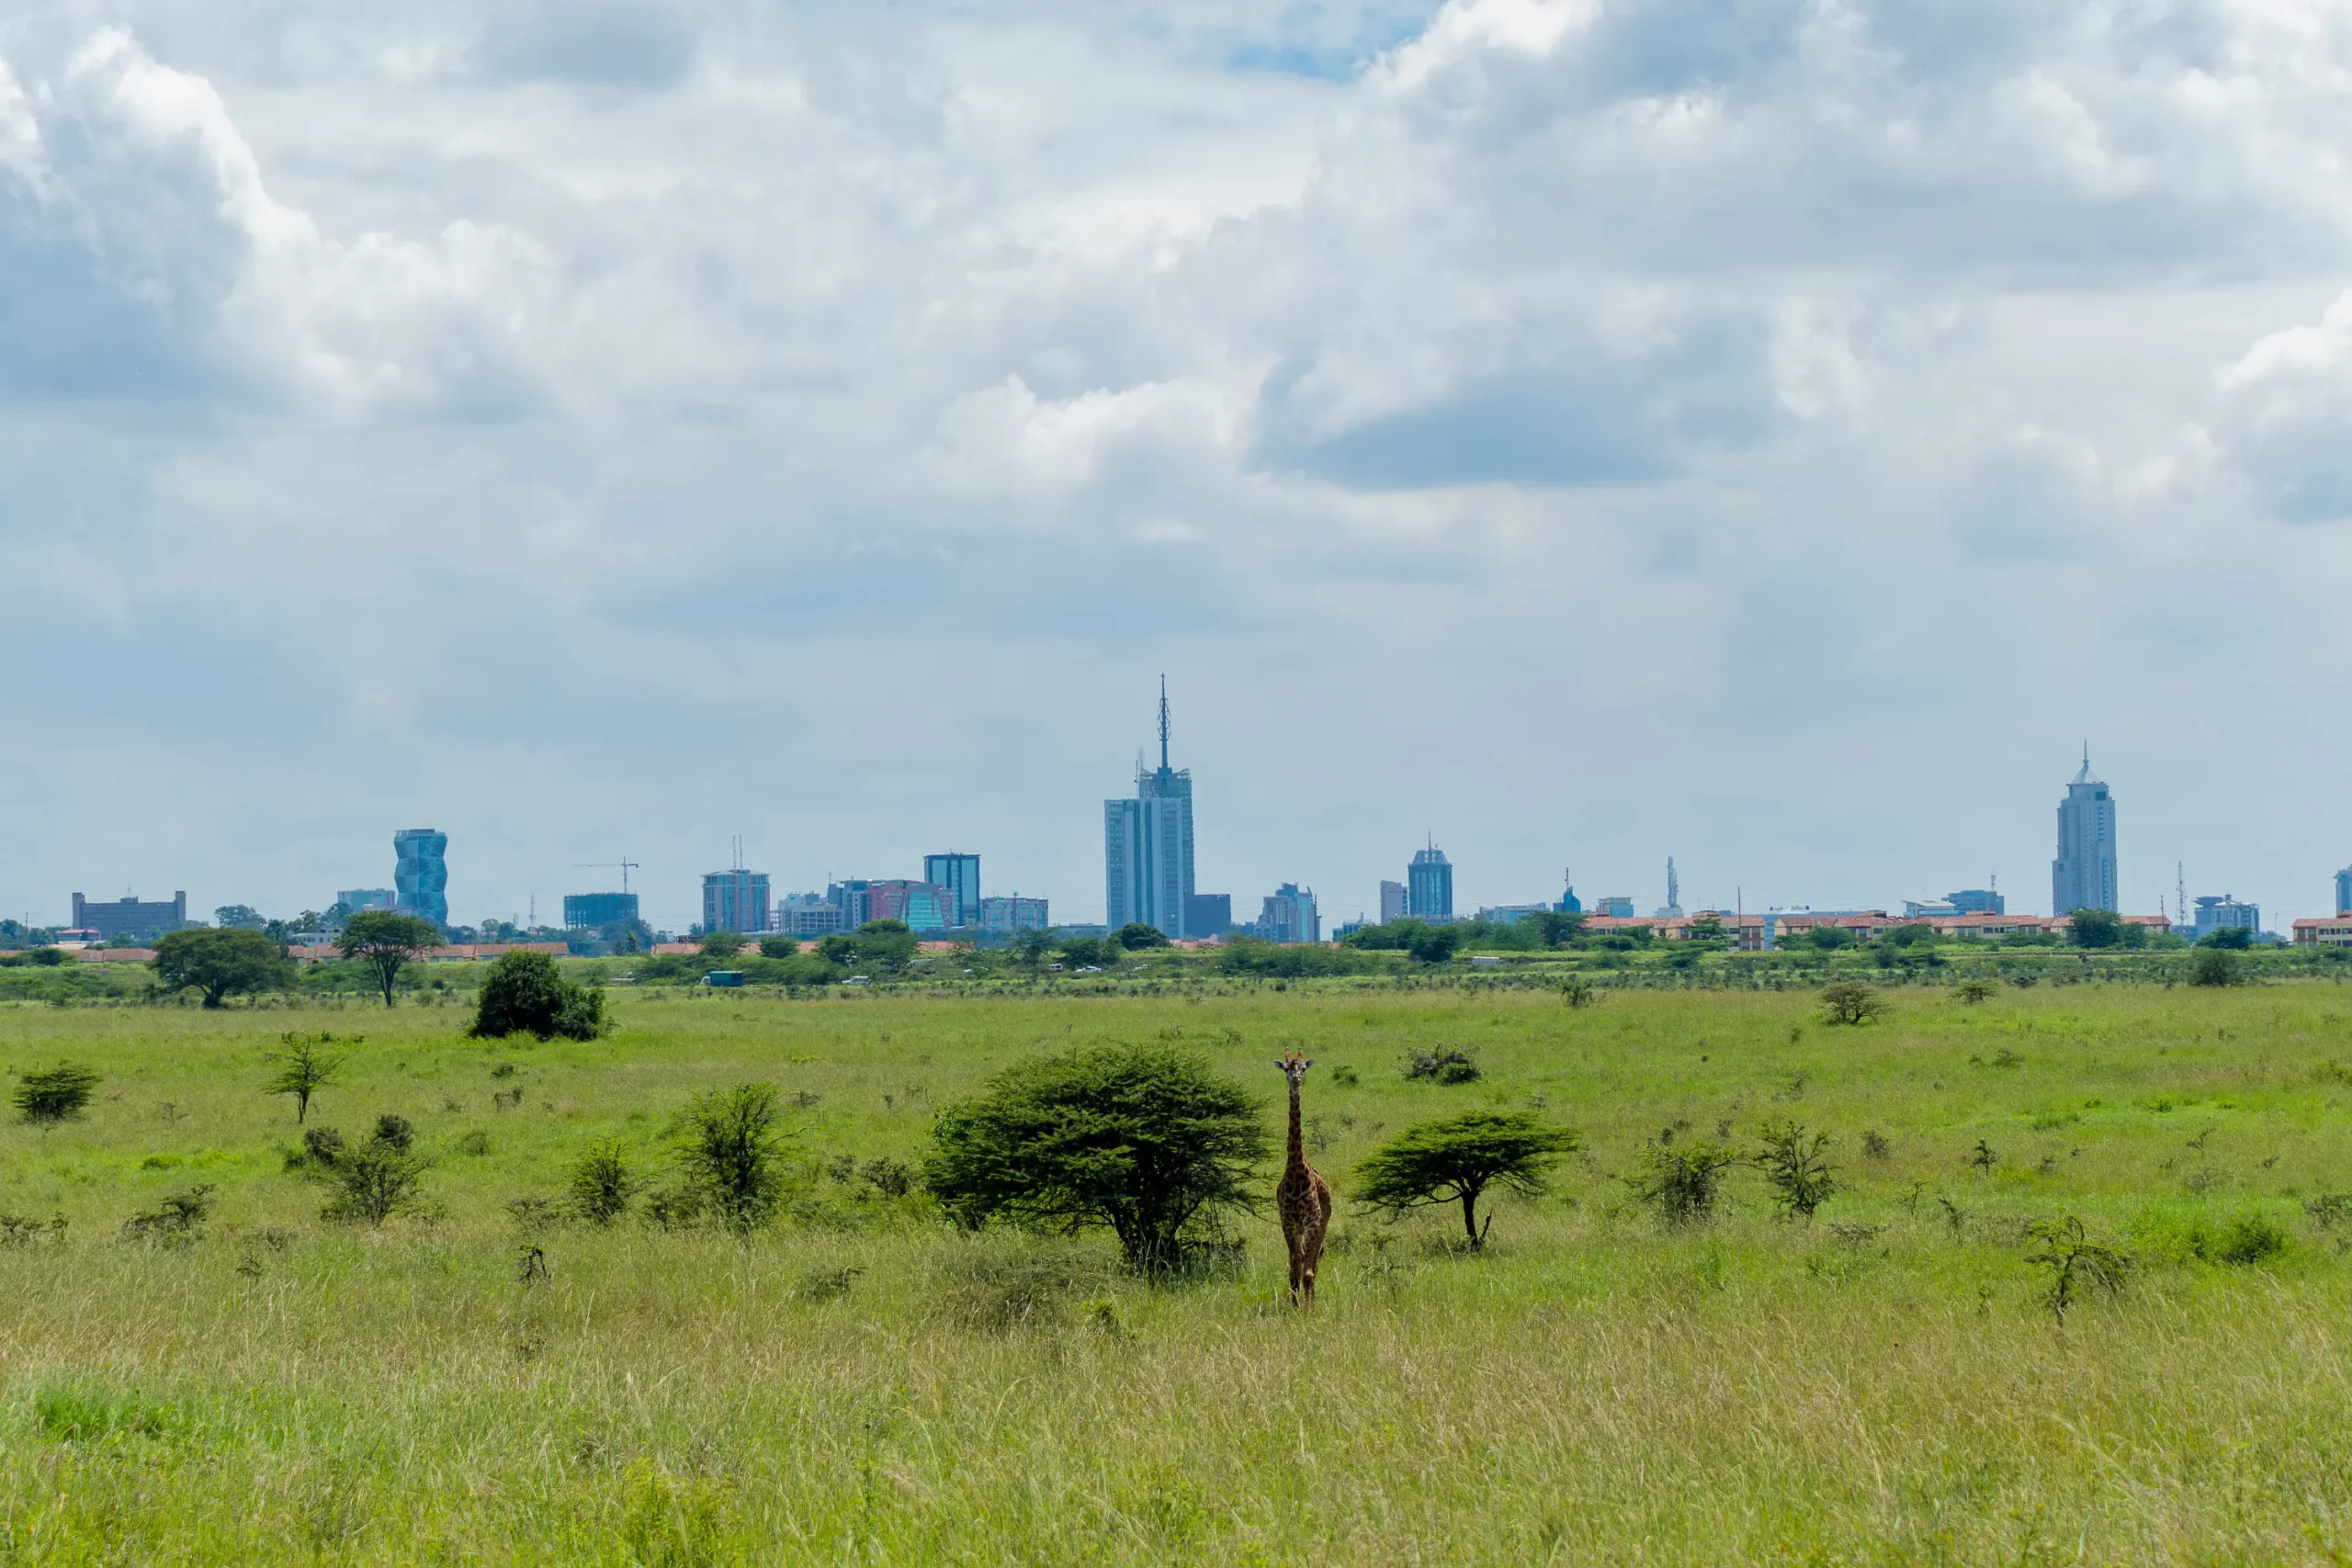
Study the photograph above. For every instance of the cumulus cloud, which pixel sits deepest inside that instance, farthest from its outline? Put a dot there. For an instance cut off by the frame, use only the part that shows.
(1620, 389)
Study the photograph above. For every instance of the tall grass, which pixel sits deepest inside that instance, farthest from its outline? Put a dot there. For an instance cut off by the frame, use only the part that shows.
(859, 1382)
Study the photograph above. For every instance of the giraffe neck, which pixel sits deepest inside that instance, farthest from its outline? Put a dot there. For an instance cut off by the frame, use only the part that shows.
(1297, 1145)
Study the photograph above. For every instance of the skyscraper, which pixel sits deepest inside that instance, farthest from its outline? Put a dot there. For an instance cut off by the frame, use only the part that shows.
(421, 873)
(960, 874)
(1147, 845)
(1289, 916)
(1392, 902)
(2083, 877)
(2343, 891)
(735, 900)
(1429, 885)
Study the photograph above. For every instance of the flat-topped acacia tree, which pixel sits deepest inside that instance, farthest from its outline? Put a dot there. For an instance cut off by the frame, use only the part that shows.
(388, 941)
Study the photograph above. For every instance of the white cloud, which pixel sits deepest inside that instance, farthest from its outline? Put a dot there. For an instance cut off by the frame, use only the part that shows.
(1616, 388)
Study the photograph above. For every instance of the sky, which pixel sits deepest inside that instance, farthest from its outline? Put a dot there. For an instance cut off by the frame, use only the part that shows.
(1775, 433)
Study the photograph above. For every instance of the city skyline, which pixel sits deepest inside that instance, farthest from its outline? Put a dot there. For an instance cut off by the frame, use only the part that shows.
(433, 845)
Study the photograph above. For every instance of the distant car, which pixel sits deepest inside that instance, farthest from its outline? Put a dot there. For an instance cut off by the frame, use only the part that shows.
(1088, 969)
(723, 978)
(857, 980)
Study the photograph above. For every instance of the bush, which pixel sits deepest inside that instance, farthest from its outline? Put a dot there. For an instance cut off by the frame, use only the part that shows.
(2249, 1239)
(1448, 1067)
(1683, 1183)
(1136, 935)
(1850, 1002)
(524, 993)
(394, 1131)
(1577, 991)
(1457, 1159)
(1143, 1139)
(57, 1094)
(2216, 967)
(732, 1155)
(1794, 1165)
(602, 1185)
(179, 1216)
(1975, 992)
(375, 1180)
(721, 944)
(778, 947)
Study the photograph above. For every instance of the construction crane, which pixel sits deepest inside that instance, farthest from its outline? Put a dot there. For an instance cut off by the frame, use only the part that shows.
(626, 864)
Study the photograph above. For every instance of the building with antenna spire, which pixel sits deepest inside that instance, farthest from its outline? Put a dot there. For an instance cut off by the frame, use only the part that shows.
(1672, 910)
(1147, 845)
(1429, 885)
(2083, 877)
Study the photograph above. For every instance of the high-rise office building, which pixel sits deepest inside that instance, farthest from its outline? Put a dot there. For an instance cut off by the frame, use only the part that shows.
(919, 906)
(357, 899)
(807, 914)
(1614, 907)
(2225, 914)
(1147, 846)
(1569, 903)
(2083, 877)
(735, 900)
(1672, 908)
(1289, 914)
(421, 873)
(1208, 914)
(129, 916)
(1014, 914)
(848, 895)
(960, 875)
(1429, 885)
(587, 911)
(1392, 902)
(1977, 901)
(2343, 891)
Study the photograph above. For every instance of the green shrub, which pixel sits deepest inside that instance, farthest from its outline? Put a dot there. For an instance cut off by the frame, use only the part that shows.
(1144, 1140)
(1447, 1066)
(2248, 1239)
(1795, 1166)
(180, 1215)
(602, 1185)
(2216, 967)
(524, 993)
(374, 1180)
(732, 1155)
(56, 1094)
(1683, 1181)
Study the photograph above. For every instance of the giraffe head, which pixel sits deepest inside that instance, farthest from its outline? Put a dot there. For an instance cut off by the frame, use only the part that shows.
(1294, 1067)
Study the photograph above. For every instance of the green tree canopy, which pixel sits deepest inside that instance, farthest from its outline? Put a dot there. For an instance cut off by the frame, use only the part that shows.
(386, 942)
(886, 947)
(2104, 928)
(1146, 1140)
(1457, 1160)
(2237, 938)
(1135, 934)
(219, 964)
(524, 993)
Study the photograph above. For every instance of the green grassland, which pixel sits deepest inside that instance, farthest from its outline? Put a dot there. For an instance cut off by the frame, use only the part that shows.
(863, 1383)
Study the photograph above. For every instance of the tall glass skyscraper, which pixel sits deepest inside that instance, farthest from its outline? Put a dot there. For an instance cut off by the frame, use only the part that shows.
(1147, 846)
(960, 874)
(1429, 885)
(421, 873)
(2083, 877)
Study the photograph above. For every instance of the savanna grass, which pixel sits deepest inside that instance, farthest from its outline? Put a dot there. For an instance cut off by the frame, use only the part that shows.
(855, 1380)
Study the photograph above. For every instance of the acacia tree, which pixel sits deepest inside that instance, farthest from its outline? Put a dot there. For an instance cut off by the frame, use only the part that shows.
(388, 941)
(219, 963)
(1457, 1160)
(304, 1068)
(1144, 1140)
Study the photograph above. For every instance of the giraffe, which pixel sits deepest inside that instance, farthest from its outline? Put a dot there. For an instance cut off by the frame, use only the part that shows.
(1302, 1197)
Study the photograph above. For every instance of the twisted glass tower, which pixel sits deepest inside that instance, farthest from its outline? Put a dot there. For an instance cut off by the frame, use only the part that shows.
(421, 873)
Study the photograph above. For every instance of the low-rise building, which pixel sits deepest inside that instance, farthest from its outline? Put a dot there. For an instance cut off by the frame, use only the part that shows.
(129, 916)
(2334, 931)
